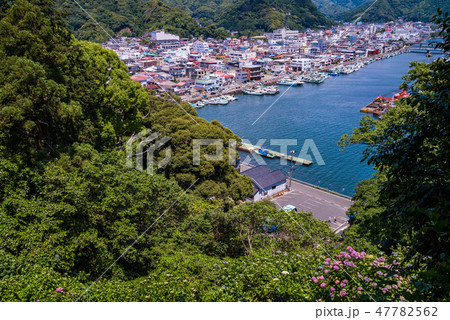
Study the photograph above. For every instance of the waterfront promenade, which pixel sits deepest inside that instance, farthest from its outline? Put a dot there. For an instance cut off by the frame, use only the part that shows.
(324, 205)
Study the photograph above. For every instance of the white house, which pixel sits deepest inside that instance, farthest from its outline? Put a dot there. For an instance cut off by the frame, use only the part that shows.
(266, 183)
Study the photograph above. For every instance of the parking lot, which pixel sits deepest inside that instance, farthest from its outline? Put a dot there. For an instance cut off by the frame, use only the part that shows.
(324, 205)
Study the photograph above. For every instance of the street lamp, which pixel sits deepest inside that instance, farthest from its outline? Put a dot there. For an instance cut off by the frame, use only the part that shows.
(292, 164)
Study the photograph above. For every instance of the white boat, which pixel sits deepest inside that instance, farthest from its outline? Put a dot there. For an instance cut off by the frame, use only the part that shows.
(229, 97)
(287, 82)
(253, 92)
(299, 81)
(270, 90)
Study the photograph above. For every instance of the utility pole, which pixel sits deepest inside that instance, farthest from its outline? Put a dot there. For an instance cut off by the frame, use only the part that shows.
(292, 165)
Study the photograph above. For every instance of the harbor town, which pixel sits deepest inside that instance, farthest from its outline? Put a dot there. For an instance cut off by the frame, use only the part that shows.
(209, 71)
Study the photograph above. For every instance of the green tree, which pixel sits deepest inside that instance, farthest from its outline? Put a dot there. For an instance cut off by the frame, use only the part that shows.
(410, 147)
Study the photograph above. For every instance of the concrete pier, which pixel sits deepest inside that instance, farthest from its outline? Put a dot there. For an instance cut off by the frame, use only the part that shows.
(254, 149)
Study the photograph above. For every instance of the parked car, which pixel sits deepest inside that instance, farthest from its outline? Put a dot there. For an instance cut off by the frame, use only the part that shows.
(289, 208)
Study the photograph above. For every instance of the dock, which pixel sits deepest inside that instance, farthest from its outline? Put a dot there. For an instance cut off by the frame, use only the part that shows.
(254, 149)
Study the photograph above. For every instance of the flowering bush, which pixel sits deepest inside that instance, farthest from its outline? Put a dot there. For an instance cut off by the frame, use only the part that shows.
(356, 276)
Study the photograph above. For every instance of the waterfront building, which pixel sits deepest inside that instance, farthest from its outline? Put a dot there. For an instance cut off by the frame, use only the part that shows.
(207, 83)
(253, 72)
(266, 183)
(300, 64)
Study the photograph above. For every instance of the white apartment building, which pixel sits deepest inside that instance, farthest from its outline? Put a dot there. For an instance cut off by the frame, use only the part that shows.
(162, 37)
(242, 55)
(200, 46)
(283, 35)
(300, 64)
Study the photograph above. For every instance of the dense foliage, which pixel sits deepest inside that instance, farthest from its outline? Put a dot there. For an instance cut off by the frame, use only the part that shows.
(57, 91)
(257, 16)
(391, 10)
(407, 203)
(334, 8)
(129, 18)
(77, 223)
(204, 11)
(252, 17)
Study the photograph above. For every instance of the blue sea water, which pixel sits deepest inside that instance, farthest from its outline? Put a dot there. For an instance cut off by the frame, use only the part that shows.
(320, 112)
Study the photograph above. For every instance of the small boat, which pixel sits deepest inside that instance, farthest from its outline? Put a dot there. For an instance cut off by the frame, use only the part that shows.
(265, 153)
(229, 97)
(253, 92)
(222, 101)
(287, 82)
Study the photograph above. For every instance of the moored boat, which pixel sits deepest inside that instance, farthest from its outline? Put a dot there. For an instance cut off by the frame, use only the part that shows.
(265, 153)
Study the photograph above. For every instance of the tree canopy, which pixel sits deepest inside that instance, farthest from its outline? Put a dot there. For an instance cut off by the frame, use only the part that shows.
(410, 147)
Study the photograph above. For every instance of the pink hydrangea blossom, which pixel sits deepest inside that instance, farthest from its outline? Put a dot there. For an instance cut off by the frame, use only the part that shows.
(323, 284)
(342, 293)
(59, 289)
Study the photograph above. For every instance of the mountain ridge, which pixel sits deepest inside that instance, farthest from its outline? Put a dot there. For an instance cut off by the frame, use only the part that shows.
(391, 10)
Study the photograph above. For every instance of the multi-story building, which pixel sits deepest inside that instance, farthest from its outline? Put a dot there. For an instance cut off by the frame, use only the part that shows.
(207, 83)
(283, 36)
(253, 72)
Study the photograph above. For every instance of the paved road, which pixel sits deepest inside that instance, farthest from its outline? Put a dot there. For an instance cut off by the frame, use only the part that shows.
(324, 205)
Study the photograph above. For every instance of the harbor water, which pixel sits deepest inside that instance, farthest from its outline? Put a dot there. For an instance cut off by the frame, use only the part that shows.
(322, 113)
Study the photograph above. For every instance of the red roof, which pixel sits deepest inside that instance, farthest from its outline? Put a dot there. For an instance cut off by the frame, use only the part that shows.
(139, 78)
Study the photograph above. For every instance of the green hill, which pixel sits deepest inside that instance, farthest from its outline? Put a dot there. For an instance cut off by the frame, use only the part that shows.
(388, 10)
(334, 8)
(204, 11)
(263, 15)
(132, 17)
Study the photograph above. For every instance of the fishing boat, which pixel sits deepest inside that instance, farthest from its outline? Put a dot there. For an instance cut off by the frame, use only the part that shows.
(267, 90)
(222, 101)
(229, 97)
(265, 153)
(287, 82)
(253, 92)
(299, 80)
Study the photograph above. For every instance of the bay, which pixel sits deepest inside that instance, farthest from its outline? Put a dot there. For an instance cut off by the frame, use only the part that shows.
(322, 113)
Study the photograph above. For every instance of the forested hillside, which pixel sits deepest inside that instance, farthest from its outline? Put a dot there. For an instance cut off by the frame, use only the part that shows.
(205, 11)
(391, 10)
(334, 8)
(262, 15)
(131, 17)
(78, 224)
